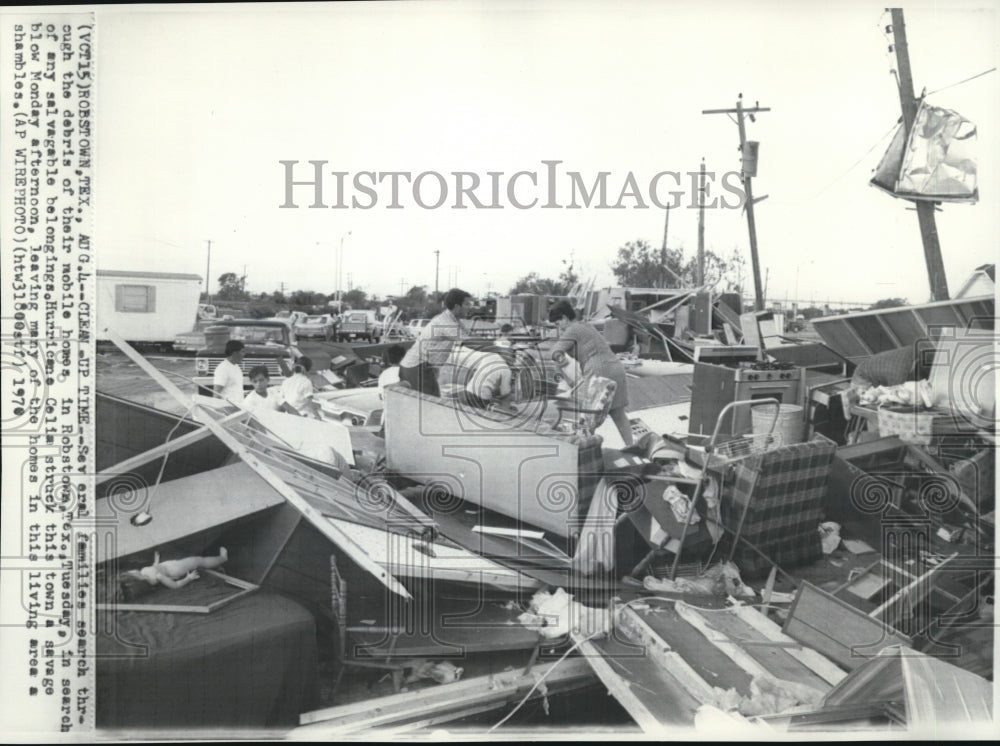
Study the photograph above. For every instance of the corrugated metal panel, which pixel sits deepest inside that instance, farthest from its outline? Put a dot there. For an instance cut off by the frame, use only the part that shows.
(859, 335)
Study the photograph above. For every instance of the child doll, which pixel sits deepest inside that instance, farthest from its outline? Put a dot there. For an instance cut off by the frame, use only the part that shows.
(172, 573)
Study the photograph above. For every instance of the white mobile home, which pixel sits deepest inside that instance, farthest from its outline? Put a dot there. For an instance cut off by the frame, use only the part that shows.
(146, 306)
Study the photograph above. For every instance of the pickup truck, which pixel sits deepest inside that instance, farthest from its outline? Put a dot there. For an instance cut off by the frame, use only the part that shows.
(358, 325)
(268, 342)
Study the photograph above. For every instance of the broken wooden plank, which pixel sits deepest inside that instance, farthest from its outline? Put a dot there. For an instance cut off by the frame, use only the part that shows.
(710, 664)
(823, 667)
(636, 629)
(445, 701)
(773, 655)
(746, 661)
(619, 688)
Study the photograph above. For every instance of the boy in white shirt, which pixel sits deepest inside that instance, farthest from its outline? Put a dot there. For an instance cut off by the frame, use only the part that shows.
(261, 397)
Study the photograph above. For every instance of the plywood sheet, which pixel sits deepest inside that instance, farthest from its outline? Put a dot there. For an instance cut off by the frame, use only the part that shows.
(181, 508)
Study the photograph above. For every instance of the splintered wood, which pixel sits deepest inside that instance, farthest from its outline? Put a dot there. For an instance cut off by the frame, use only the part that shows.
(733, 659)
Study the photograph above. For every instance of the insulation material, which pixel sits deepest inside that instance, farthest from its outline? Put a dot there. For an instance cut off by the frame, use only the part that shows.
(936, 162)
(556, 614)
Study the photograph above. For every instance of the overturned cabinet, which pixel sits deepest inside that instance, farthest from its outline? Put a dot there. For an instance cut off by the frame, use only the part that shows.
(515, 465)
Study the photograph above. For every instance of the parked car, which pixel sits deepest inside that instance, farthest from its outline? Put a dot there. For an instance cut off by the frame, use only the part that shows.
(355, 406)
(359, 325)
(267, 342)
(316, 326)
(414, 327)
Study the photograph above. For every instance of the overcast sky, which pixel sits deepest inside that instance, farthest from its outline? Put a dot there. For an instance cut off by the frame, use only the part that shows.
(197, 107)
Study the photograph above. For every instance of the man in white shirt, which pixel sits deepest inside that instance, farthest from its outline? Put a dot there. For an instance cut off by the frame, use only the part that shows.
(227, 381)
(261, 397)
(435, 343)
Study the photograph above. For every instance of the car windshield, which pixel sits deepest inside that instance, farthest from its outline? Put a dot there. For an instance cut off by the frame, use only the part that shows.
(314, 319)
(259, 334)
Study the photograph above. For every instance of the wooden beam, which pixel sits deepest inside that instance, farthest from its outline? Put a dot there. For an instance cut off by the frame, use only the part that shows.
(740, 657)
(641, 633)
(811, 659)
(619, 688)
(444, 702)
(333, 533)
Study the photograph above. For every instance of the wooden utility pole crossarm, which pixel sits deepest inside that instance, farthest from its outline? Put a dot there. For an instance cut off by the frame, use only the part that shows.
(740, 111)
(925, 209)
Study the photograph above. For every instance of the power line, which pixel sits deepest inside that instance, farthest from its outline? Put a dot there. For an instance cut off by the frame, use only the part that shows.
(978, 75)
(857, 162)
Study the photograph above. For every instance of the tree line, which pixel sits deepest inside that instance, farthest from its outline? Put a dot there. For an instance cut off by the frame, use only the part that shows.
(636, 264)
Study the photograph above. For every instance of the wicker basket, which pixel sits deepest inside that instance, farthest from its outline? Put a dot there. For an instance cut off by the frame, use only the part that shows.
(910, 424)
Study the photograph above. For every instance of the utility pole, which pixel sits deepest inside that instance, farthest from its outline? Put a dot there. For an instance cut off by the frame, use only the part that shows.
(208, 273)
(700, 272)
(925, 210)
(748, 169)
(663, 251)
(437, 272)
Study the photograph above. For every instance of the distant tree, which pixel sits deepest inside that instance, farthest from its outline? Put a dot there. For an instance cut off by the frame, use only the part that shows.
(231, 287)
(356, 298)
(534, 284)
(640, 265)
(888, 303)
(417, 304)
(307, 298)
(718, 272)
(279, 297)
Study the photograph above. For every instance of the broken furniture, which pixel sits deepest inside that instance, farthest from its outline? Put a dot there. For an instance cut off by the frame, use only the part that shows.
(775, 503)
(716, 386)
(509, 464)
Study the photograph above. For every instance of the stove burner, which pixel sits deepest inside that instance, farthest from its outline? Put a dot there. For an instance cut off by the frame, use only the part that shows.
(766, 365)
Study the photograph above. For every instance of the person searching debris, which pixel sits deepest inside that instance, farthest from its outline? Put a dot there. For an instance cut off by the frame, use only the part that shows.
(588, 347)
(297, 390)
(393, 355)
(227, 381)
(486, 378)
(434, 344)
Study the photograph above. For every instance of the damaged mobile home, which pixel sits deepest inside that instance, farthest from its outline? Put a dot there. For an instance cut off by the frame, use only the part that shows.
(799, 538)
